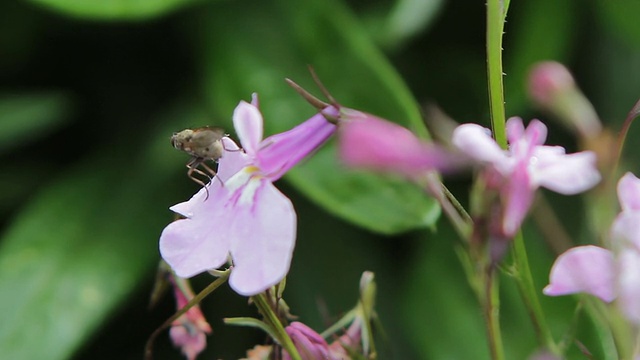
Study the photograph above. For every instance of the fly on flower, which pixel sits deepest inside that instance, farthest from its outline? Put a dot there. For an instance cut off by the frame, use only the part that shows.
(202, 144)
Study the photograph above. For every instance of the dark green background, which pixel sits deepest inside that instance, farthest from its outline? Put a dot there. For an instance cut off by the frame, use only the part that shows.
(90, 92)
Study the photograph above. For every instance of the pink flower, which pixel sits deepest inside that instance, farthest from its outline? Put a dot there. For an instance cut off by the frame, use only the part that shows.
(370, 142)
(526, 166)
(608, 275)
(189, 330)
(245, 216)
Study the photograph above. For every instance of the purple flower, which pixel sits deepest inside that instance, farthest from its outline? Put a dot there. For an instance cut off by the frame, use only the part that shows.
(527, 165)
(245, 216)
(606, 274)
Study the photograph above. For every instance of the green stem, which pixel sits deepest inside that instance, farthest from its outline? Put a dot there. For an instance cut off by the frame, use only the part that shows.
(631, 116)
(492, 314)
(148, 349)
(451, 207)
(496, 13)
(272, 319)
(529, 295)
(495, 26)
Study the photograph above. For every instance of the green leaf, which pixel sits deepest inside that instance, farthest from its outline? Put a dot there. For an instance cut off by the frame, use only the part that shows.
(621, 18)
(253, 50)
(393, 26)
(114, 9)
(73, 254)
(25, 118)
(251, 322)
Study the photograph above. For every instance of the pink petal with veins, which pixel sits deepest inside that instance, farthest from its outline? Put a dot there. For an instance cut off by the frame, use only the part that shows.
(583, 269)
(262, 233)
(199, 243)
(279, 153)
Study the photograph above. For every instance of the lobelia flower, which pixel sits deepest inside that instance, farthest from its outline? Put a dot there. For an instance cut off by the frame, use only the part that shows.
(606, 274)
(189, 331)
(245, 216)
(517, 172)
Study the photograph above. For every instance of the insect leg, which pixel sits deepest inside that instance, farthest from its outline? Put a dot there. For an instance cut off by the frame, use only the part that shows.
(211, 171)
(192, 165)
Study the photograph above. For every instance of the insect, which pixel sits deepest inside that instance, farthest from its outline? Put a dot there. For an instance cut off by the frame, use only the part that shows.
(204, 143)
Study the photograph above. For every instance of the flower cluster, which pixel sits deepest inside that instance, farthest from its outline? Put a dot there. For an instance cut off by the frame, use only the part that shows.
(515, 173)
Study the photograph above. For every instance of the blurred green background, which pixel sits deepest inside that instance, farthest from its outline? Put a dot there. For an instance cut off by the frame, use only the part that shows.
(90, 92)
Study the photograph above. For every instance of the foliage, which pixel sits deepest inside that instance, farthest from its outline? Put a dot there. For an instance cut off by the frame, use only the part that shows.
(92, 90)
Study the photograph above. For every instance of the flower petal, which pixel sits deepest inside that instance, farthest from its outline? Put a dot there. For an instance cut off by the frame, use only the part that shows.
(188, 208)
(626, 227)
(588, 269)
(247, 120)
(629, 192)
(374, 143)
(192, 343)
(310, 345)
(515, 129)
(199, 243)
(477, 143)
(232, 161)
(536, 132)
(262, 233)
(628, 280)
(567, 174)
(279, 153)
(518, 196)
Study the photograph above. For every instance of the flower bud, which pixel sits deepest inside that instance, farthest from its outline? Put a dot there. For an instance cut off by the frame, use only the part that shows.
(309, 343)
(553, 88)
(367, 141)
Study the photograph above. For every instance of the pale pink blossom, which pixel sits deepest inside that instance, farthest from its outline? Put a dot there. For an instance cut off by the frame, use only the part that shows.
(606, 274)
(245, 217)
(525, 166)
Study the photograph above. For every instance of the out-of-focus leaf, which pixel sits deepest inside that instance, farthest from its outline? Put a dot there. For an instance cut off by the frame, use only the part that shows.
(622, 18)
(439, 308)
(549, 24)
(74, 253)
(114, 9)
(407, 18)
(25, 118)
(252, 47)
